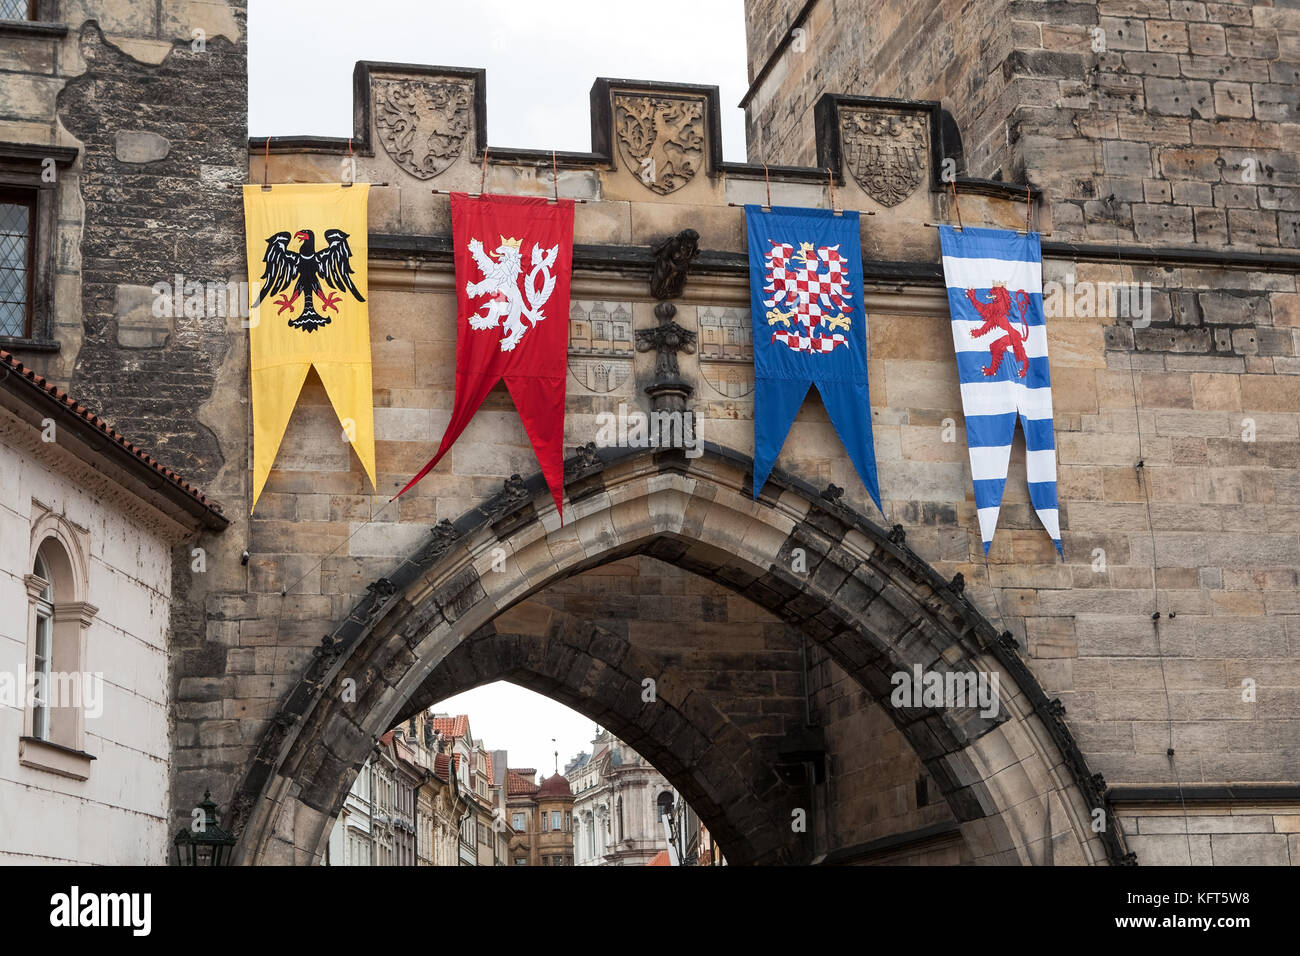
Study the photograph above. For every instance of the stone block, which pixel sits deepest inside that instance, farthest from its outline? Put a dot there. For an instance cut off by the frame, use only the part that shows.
(1166, 36)
(138, 146)
(1163, 223)
(1206, 39)
(137, 325)
(1178, 97)
(1250, 849)
(1233, 99)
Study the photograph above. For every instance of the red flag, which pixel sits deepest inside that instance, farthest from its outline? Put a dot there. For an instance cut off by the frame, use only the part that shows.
(514, 258)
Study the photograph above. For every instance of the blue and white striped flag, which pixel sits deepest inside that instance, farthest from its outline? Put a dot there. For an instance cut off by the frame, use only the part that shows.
(995, 297)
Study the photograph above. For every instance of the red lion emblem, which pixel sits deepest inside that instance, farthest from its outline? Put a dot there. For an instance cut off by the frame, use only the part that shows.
(995, 315)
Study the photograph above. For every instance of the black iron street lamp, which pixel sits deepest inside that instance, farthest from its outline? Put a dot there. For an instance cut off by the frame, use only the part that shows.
(210, 845)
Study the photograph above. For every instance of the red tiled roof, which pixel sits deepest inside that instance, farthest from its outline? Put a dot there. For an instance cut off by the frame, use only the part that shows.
(659, 859)
(442, 766)
(14, 367)
(487, 765)
(449, 727)
(518, 784)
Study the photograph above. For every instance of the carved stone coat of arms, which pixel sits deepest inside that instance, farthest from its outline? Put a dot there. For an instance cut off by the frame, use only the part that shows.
(422, 124)
(885, 151)
(660, 139)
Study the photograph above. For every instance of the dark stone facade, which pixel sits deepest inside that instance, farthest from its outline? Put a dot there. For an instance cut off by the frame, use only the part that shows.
(149, 222)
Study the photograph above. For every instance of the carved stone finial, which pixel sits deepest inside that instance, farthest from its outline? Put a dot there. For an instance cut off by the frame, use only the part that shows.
(673, 258)
(897, 535)
(832, 492)
(958, 583)
(668, 391)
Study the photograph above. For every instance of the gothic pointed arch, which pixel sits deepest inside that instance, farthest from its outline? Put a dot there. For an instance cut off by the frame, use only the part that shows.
(1015, 781)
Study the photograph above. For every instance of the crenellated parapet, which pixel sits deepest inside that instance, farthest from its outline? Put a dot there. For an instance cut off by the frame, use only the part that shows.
(424, 128)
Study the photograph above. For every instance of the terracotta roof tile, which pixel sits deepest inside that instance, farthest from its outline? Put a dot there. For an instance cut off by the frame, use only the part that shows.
(517, 784)
(451, 727)
(12, 366)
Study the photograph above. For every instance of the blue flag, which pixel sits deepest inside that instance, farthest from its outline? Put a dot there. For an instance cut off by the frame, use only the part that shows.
(810, 328)
(995, 297)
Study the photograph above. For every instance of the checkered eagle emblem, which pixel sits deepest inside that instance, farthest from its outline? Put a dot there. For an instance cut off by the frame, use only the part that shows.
(810, 296)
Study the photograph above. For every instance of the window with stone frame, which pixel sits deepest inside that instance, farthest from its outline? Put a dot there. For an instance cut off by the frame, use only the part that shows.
(58, 688)
(29, 178)
(18, 9)
(17, 261)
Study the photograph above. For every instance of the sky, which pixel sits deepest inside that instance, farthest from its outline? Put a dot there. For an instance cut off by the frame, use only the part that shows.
(541, 58)
(509, 717)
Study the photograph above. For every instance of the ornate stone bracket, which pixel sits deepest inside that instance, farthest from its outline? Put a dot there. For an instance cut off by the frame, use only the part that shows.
(669, 391)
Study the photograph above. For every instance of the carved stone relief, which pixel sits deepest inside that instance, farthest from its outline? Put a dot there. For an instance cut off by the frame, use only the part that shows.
(600, 344)
(660, 139)
(422, 123)
(726, 350)
(885, 151)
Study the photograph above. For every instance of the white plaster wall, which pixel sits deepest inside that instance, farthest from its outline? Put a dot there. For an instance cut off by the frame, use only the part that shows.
(117, 815)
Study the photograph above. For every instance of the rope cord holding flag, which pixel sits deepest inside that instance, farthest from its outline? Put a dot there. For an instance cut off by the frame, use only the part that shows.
(266, 165)
(1139, 468)
(482, 183)
(767, 181)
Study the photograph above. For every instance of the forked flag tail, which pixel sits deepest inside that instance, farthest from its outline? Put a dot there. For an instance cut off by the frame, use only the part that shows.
(999, 334)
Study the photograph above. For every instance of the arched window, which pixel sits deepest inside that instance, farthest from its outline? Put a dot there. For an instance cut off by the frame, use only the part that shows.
(59, 690)
(665, 804)
(42, 650)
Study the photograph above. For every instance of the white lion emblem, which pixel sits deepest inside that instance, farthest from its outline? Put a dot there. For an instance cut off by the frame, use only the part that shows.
(502, 271)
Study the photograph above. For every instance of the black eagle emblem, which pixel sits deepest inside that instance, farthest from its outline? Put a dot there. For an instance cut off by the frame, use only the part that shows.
(305, 270)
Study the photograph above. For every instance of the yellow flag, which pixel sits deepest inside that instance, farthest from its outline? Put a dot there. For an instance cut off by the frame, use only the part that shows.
(307, 251)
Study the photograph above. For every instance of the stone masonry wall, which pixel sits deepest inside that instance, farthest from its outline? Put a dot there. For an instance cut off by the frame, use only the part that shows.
(156, 158)
(1160, 122)
(949, 51)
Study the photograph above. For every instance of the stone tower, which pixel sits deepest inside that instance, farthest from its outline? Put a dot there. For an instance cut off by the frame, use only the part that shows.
(1163, 122)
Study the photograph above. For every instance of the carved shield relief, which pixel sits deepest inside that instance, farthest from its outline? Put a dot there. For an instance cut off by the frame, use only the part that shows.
(885, 151)
(660, 139)
(600, 344)
(422, 123)
(726, 350)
